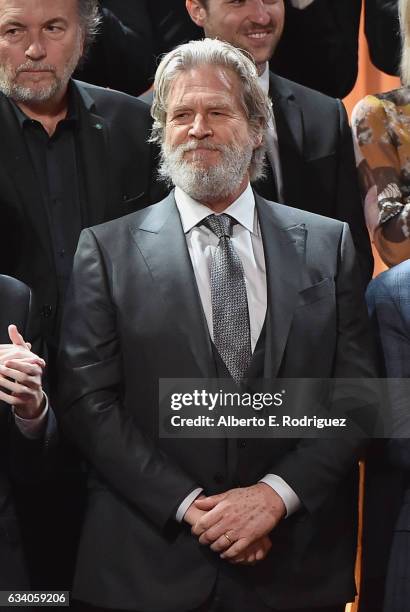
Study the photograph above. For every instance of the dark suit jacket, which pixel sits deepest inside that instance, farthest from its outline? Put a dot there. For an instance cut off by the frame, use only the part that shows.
(389, 297)
(317, 159)
(122, 55)
(383, 34)
(319, 46)
(133, 316)
(20, 459)
(117, 165)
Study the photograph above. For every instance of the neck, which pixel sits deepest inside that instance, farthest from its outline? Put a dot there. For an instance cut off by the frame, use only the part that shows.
(261, 68)
(218, 205)
(48, 112)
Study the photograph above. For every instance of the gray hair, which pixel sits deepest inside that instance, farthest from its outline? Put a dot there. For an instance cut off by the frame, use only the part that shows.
(256, 103)
(90, 20)
(404, 17)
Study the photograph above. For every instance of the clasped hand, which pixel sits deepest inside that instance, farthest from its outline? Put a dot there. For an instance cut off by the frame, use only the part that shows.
(20, 376)
(236, 523)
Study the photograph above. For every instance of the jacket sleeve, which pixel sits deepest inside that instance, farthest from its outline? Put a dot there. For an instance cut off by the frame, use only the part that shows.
(91, 403)
(316, 467)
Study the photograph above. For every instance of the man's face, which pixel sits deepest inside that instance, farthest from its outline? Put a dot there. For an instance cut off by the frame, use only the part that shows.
(41, 42)
(253, 25)
(208, 142)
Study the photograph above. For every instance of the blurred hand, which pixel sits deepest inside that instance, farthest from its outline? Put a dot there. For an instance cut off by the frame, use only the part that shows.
(20, 376)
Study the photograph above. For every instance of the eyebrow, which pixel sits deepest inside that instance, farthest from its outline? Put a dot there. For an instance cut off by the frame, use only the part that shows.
(18, 24)
(11, 22)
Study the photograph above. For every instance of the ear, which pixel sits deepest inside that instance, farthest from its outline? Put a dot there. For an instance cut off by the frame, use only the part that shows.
(196, 11)
(258, 138)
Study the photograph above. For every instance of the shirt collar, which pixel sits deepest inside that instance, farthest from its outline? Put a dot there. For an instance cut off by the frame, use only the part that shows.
(72, 112)
(263, 79)
(242, 210)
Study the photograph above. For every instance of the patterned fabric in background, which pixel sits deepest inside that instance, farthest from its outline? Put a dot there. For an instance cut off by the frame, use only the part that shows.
(381, 131)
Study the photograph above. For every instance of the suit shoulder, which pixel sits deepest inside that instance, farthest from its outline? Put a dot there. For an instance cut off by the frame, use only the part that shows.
(130, 221)
(392, 283)
(112, 98)
(13, 288)
(289, 215)
(281, 85)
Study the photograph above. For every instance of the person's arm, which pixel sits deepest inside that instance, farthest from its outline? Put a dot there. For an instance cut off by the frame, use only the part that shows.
(385, 201)
(388, 297)
(91, 404)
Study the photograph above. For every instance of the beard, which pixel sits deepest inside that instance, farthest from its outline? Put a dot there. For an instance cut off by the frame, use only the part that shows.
(206, 184)
(29, 93)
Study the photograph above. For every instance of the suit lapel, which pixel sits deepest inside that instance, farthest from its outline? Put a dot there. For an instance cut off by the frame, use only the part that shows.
(93, 143)
(16, 161)
(284, 249)
(289, 125)
(161, 240)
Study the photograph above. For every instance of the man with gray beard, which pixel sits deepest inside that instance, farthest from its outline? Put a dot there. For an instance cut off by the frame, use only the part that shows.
(213, 282)
(72, 154)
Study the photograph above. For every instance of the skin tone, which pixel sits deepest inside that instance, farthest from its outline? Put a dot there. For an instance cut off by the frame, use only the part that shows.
(205, 108)
(20, 376)
(46, 36)
(253, 25)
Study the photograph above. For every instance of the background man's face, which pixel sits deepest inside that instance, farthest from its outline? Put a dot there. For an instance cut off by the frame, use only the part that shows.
(253, 25)
(41, 43)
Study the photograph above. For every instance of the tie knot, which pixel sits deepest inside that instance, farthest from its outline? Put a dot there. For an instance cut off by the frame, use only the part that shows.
(220, 225)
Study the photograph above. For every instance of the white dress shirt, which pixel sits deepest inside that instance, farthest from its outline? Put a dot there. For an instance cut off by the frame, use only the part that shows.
(33, 429)
(247, 240)
(271, 139)
(301, 4)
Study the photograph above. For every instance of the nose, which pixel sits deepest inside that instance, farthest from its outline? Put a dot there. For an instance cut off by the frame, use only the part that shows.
(36, 49)
(200, 127)
(260, 13)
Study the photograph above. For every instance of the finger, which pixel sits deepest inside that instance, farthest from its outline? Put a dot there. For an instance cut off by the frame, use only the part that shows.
(221, 544)
(12, 400)
(20, 369)
(14, 387)
(19, 353)
(16, 337)
(261, 554)
(236, 549)
(250, 559)
(29, 358)
(207, 503)
(222, 529)
(207, 521)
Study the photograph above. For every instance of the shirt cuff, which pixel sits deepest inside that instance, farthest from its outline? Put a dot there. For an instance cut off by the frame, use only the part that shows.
(33, 429)
(186, 503)
(301, 4)
(288, 495)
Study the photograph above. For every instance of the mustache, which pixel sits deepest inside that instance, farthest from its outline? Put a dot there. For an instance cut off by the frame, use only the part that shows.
(203, 144)
(33, 66)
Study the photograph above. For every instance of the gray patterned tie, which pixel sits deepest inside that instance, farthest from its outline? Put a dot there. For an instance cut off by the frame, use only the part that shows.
(229, 302)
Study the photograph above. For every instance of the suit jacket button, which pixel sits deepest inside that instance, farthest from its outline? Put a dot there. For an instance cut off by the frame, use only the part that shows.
(242, 443)
(46, 311)
(219, 479)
